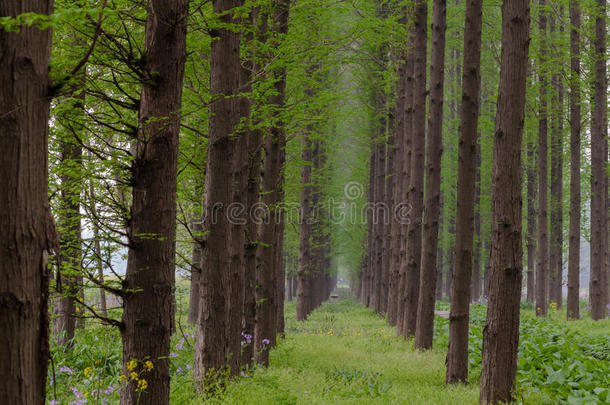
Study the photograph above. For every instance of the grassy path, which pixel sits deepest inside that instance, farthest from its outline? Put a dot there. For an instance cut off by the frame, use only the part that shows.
(346, 354)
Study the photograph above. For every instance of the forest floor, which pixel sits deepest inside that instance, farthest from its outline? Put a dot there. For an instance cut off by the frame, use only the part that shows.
(347, 354)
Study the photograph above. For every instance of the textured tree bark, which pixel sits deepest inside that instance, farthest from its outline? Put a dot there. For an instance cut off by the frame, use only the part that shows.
(542, 268)
(214, 344)
(556, 203)
(388, 220)
(397, 191)
(404, 187)
(450, 257)
(434, 151)
(69, 230)
(150, 278)
(416, 185)
(196, 228)
(457, 356)
(269, 264)
(487, 268)
(304, 269)
(368, 269)
(501, 332)
(475, 283)
(251, 166)
(531, 221)
(599, 188)
(380, 172)
(439, 254)
(574, 249)
(97, 249)
(25, 219)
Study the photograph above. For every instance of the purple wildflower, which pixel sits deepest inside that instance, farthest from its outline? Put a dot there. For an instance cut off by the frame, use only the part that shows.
(66, 369)
(172, 354)
(265, 341)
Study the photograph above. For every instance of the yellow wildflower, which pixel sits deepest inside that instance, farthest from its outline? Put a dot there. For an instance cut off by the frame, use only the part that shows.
(88, 371)
(134, 375)
(142, 385)
(132, 364)
(148, 365)
(122, 378)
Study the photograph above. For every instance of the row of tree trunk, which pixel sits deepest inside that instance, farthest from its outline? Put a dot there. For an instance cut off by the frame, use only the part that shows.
(396, 176)
(237, 272)
(315, 281)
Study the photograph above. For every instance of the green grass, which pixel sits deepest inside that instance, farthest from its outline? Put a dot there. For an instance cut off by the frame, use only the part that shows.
(346, 354)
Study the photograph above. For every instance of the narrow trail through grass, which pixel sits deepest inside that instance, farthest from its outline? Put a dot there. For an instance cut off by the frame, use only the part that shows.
(346, 354)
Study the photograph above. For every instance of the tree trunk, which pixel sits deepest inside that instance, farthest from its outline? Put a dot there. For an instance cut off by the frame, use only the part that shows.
(531, 221)
(368, 269)
(556, 203)
(214, 345)
(416, 185)
(25, 219)
(475, 283)
(304, 270)
(196, 228)
(434, 151)
(69, 229)
(574, 252)
(543, 242)
(450, 258)
(252, 166)
(457, 357)
(501, 332)
(599, 190)
(97, 250)
(386, 285)
(380, 174)
(397, 191)
(401, 299)
(439, 254)
(150, 277)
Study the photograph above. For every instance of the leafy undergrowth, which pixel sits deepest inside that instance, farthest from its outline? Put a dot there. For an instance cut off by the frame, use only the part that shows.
(346, 354)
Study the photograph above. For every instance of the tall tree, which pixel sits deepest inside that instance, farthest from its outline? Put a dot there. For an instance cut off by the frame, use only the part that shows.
(457, 357)
(401, 300)
(69, 224)
(196, 229)
(599, 156)
(26, 235)
(501, 332)
(397, 189)
(305, 270)
(574, 250)
(214, 347)
(556, 200)
(416, 184)
(475, 283)
(427, 285)
(531, 220)
(150, 277)
(542, 267)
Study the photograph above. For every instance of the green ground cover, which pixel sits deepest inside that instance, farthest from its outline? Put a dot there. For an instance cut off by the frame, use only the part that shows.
(346, 354)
